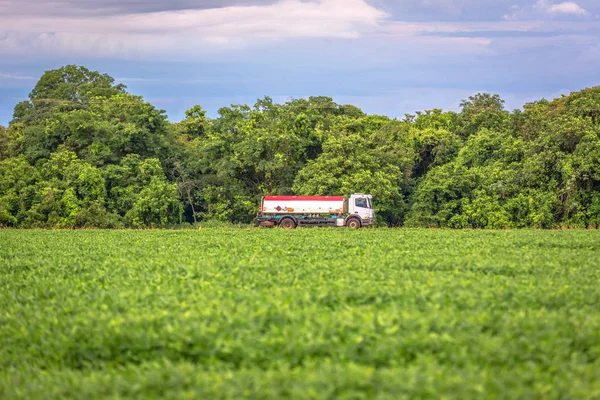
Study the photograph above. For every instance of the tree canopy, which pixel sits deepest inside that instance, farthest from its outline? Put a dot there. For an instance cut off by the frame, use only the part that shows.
(84, 152)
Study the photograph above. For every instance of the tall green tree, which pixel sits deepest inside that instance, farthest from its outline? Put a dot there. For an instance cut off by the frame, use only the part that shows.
(66, 88)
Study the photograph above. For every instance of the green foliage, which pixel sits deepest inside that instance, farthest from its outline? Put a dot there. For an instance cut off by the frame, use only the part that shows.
(312, 313)
(156, 205)
(253, 151)
(483, 110)
(74, 83)
(195, 123)
(540, 173)
(84, 152)
(356, 158)
(64, 89)
(140, 193)
(4, 143)
(102, 133)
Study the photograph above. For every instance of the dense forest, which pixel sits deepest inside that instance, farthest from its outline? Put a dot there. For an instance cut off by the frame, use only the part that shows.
(84, 152)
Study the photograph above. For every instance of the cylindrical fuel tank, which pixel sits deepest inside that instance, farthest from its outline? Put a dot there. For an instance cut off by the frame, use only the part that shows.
(303, 205)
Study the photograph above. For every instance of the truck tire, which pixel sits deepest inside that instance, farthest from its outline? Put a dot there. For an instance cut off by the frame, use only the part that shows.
(287, 223)
(353, 223)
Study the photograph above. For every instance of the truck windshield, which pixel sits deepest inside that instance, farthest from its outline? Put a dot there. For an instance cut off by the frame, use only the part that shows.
(361, 202)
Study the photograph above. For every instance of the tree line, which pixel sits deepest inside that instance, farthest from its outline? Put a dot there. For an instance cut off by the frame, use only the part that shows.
(84, 152)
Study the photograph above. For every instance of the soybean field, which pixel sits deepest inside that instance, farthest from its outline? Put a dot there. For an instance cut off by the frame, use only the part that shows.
(303, 314)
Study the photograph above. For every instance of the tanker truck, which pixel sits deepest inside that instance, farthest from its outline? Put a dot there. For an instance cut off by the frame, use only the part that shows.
(289, 212)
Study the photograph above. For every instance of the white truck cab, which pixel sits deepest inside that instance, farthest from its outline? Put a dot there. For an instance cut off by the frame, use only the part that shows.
(361, 205)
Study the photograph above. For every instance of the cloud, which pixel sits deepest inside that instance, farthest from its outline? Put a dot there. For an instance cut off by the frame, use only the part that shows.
(544, 8)
(4, 76)
(446, 10)
(192, 29)
(187, 31)
(114, 7)
(560, 8)
(493, 29)
(180, 81)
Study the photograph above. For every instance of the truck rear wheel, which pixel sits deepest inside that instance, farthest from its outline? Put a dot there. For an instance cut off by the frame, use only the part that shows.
(353, 223)
(287, 223)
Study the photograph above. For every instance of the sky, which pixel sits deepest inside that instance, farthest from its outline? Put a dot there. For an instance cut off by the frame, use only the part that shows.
(388, 57)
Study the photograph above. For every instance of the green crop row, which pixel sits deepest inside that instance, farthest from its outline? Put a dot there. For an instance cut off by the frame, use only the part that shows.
(309, 313)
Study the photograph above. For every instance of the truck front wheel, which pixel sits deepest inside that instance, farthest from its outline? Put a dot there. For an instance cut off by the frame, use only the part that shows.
(287, 223)
(353, 223)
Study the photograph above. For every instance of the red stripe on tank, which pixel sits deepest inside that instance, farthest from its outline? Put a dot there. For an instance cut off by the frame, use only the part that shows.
(304, 198)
